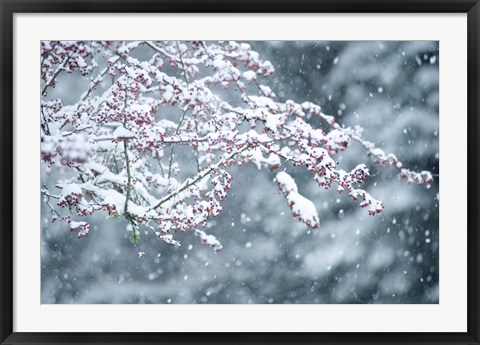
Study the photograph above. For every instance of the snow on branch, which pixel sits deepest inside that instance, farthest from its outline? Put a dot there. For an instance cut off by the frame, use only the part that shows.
(209, 240)
(120, 140)
(302, 208)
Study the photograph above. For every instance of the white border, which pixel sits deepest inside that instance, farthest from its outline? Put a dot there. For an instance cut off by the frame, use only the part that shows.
(449, 316)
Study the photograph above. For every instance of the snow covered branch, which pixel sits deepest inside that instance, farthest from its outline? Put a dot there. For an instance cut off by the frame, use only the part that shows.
(302, 208)
(118, 140)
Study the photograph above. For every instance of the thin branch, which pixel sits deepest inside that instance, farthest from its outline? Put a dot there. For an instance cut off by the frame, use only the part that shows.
(170, 160)
(127, 163)
(47, 198)
(199, 177)
(76, 131)
(258, 85)
(129, 176)
(160, 50)
(49, 195)
(94, 83)
(158, 159)
(117, 170)
(57, 72)
(390, 220)
(52, 209)
(166, 142)
(183, 64)
(45, 127)
(92, 87)
(195, 150)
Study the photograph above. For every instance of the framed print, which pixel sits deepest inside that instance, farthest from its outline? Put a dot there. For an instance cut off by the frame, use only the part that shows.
(197, 172)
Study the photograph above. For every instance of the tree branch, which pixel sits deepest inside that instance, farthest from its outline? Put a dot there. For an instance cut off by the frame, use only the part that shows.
(199, 177)
(57, 72)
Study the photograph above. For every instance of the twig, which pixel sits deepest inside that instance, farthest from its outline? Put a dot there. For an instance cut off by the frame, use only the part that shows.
(127, 164)
(46, 199)
(170, 160)
(183, 64)
(76, 131)
(195, 150)
(45, 126)
(57, 72)
(198, 178)
(390, 220)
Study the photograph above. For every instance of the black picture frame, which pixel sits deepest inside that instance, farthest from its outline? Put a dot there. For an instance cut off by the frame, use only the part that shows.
(9, 8)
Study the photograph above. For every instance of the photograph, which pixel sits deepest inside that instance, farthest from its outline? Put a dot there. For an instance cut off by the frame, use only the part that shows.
(239, 172)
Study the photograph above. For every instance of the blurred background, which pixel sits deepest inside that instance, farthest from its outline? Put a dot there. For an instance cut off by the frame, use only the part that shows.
(390, 89)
